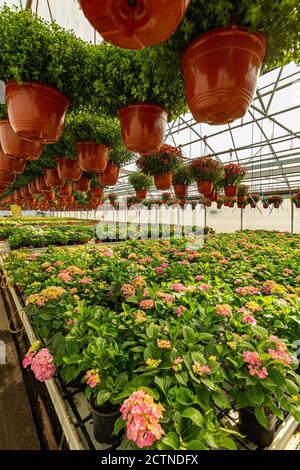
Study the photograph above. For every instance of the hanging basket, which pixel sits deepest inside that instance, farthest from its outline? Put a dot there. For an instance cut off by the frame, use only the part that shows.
(180, 190)
(66, 190)
(135, 24)
(205, 187)
(32, 189)
(8, 164)
(221, 69)
(52, 179)
(36, 112)
(92, 157)
(49, 196)
(68, 169)
(163, 181)
(141, 193)
(230, 191)
(109, 176)
(143, 127)
(14, 147)
(83, 185)
(241, 198)
(41, 185)
(24, 192)
(97, 192)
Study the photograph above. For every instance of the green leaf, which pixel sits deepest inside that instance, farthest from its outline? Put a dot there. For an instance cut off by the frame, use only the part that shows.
(194, 415)
(119, 425)
(259, 331)
(261, 417)
(189, 335)
(295, 412)
(292, 387)
(184, 396)
(152, 330)
(171, 440)
(205, 336)
(164, 383)
(182, 378)
(221, 400)
(255, 395)
(102, 397)
(196, 444)
(151, 352)
(228, 443)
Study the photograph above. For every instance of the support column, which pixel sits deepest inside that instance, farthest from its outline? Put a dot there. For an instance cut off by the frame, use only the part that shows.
(292, 217)
(242, 219)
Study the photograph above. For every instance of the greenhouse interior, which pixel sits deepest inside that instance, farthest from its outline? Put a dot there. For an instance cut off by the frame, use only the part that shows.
(149, 227)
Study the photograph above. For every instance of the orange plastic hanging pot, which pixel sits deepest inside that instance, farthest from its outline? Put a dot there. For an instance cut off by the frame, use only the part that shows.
(15, 147)
(92, 157)
(110, 175)
(163, 181)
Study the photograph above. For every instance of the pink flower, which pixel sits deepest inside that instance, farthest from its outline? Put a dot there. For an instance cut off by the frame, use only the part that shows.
(164, 265)
(28, 359)
(58, 263)
(42, 365)
(201, 370)
(33, 256)
(247, 318)
(205, 287)
(248, 290)
(223, 310)
(147, 304)
(281, 356)
(252, 358)
(168, 298)
(49, 269)
(224, 261)
(199, 278)
(65, 276)
(70, 321)
(107, 254)
(142, 417)
(180, 310)
(178, 287)
(146, 292)
(40, 303)
(288, 271)
(184, 262)
(85, 280)
(159, 270)
(127, 291)
(92, 378)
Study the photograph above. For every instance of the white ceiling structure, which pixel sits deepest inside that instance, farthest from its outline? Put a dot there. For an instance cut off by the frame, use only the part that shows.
(266, 140)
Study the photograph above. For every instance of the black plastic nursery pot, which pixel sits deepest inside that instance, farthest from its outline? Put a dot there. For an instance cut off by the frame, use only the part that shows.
(259, 435)
(104, 419)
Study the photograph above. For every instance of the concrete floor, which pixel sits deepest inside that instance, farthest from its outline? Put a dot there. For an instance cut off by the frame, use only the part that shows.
(17, 429)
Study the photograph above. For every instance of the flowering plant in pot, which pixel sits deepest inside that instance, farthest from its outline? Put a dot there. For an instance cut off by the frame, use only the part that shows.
(253, 199)
(137, 91)
(34, 81)
(67, 163)
(182, 178)
(93, 135)
(242, 192)
(206, 171)
(296, 199)
(161, 165)
(141, 183)
(118, 157)
(276, 200)
(261, 375)
(233, 176)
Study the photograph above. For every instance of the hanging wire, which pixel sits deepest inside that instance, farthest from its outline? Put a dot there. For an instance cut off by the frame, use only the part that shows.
(201, 143)
(37, 7)
(50, 12)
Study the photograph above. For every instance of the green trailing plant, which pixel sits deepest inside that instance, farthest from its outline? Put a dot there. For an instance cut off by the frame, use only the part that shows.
(3, 111)
(166, 160)
(275, 199)
(243, 190)
(254, 198)
(84, 125)
(120, 156)
(49, 54)
(182, 175)
(139, 181)
(296, 198)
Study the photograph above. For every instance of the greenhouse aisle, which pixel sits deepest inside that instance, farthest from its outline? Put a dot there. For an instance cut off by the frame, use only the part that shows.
(17, 429)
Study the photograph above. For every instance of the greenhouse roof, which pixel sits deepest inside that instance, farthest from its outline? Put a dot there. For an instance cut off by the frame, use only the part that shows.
(266, 140)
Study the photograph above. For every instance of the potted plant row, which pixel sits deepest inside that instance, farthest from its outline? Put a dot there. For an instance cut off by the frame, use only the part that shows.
(141, 184)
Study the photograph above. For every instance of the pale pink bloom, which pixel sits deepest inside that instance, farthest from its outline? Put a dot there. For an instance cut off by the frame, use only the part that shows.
(164, 265)
(40, 303)
(127, 291)
(33, 256)
(224, 261)
(65, 276)
(242, 310)
(58, 263)
(247, 290)
(288, 271)
(138, 282)
(28, 359)
(223, 310)
(49, 269)
(85, 280)
(92, 378)
(159, 270)
(42, 365)
(280, 355)
(147, 304)
(247, 318)
(107, 254)
(178, 287)
(238, 281)
(261, 373)
(146, 292)
(201, 370)
(199, 278)
(184, 262)
(180, 310)
(168, 298)
(252, 358)
(205, 287)
(191, 257)
(70, 321)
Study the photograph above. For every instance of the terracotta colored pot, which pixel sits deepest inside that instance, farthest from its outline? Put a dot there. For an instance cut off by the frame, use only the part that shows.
(97, 192)
(41, 185)
(226, 204)
(241, 199)
(207, 204)
(253, 205)
(94, 203)
(24, 191)
(36, 111)
(297, 205)
(220, 69)
(230, 191)
(205, 187)
(52, 179)
(180, 190)
(266, 206)
(240, 205)
(214, 197)
(276, 205)
(141, 193)
(83, 185)
(68, 169)
(91, 156)
(219, 206)
(66, 190)
(14, 147)
(7, 177)
(9, 164)
(109, 176)
(163, 181)
(137, 24)
(143, 127)
(49, 196)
